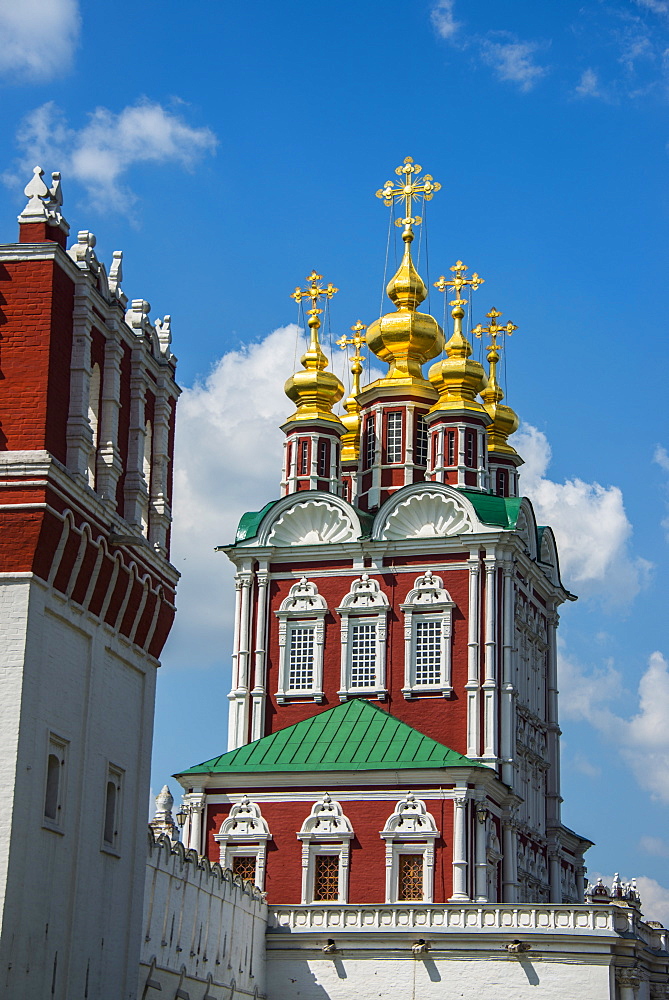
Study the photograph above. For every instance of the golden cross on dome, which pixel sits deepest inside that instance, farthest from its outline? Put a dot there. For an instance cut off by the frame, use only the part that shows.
(409, 188)
(357, 340)
(458, 282)
(494, 329)
(314, 291)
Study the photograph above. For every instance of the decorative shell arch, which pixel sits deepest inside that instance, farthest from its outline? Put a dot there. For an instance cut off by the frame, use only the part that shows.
(425, 512)
(526, 527)
(313, 520)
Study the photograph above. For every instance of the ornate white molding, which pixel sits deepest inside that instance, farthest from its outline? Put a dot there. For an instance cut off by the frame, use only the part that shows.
(326, 821)
(427, 515)
(326, 830)
(245, 831)
(428, 600)
(303, 608)
(365, 604)
(410, 820)
(312, 522)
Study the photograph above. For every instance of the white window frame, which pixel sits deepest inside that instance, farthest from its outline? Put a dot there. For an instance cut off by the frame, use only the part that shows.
(394, 437)
(428, 600)
(410, 829)
(244, 832)
(117, 775)
(59, 747)
(326, 830)
(365, 604)
(304, 607)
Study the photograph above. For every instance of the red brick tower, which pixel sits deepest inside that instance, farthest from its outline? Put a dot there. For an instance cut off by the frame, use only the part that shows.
(86, 441)
(393, 727)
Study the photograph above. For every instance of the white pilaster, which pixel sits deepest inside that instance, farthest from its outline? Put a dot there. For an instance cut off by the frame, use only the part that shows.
(259, 693)
(509, 862)
(472, 685)
(79, 431)
(459, 847)
(508, 692)
(490, 681)
(481, 875)
(109, 456)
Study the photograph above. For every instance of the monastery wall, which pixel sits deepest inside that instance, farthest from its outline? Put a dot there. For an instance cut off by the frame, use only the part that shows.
(204, 929)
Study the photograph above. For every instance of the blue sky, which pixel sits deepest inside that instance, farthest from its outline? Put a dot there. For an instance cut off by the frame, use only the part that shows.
(228, 149)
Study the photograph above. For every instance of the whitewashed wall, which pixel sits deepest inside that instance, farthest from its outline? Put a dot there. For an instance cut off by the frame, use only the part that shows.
(204, 930)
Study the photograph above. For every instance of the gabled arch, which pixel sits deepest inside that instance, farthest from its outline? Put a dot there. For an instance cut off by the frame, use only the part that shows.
(526, 528)
(426, 510)
(309, 518)
(548, 555)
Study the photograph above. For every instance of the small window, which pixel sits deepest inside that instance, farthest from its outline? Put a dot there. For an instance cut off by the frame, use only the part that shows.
(363, 655)
(301, 657)
(326, 877)
(450, 447)
(289, 455)
(112, 809)
(304, 459)
(323, 459)
(370, 443)
(54, 785)
(394, 436)
(410, 873)
(502, 483)
(301, 639)
(470, 449)
(421, 441)
(244, 865)
(427, 650)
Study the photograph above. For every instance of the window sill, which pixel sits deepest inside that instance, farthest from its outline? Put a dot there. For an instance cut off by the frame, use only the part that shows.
(113, 852)
(54, 827)
(284, 698)
(411, 694)
(373, 695)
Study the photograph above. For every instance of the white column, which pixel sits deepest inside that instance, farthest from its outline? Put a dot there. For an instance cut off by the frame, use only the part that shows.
(259, 693)
(459, 848)
(472, 685)
(409, 457)
(236, 692)
(136, 494)
(490, 682)
(109, 456)
(196, 803)
(509, 862)
(628, 982)
(555, 875)
(508, 695)
(161, 514)
(481, 852)
(79, 432)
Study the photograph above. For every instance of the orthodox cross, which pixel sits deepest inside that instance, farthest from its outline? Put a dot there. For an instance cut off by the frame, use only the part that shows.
(409, 188)
(458, 282)
(494, 330)
(357, 340)
(314, 291)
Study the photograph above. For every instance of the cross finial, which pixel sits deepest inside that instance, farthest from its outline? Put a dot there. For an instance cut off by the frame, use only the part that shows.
(357, 340)
(494, 329)
(458, 282)
(408, 189)
(314, 291)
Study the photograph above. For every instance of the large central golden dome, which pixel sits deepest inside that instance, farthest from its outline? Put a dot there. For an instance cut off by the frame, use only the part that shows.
(406, 339)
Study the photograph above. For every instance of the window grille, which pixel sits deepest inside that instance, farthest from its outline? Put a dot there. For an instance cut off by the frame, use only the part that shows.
(428, 651)
(363, 655)
(421, 441)
(450, 446)
(410, 877)
(394, 437)
(470, 449)
(323, 459)
(301, 658)
(304, 458)
(245, 866)
(370, 443)
(326, 877)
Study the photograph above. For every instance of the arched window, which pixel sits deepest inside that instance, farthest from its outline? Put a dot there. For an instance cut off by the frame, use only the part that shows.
(301, 637)
(364, 613)
(326, 836)
(94, 420)
(427, 638)
(410, 833)
(242, 839)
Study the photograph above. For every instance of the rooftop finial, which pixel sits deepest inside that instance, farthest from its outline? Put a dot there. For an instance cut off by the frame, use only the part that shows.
(350, 442)
(408, 189)
(504, 419)
(314, 391)
(315, 292)
(44, 203)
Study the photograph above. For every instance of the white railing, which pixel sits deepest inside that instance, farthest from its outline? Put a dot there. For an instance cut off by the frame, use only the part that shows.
(454, 918)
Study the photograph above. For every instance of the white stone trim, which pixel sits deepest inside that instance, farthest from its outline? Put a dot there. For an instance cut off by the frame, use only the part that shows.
(326, 830)
(303, 607)
(244, 832)
(410, 829)
(365, 604)
(427, 600)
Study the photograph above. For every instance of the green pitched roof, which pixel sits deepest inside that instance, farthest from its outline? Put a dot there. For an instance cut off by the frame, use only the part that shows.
(500, 511)
(353, 736)
(250, 522)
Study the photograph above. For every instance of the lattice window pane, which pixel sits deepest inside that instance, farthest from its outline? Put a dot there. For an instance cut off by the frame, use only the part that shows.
(301, 658)
(370, 443)
(410, 877)
(244, 866)
(427, 651)
(326, 877)
(304, 459)
(450, 447)
(394, 437)
(323, 459)
(363, 655)
(421, 441)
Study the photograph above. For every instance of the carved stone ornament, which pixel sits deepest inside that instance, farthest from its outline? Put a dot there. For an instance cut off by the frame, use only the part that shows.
(312, 522)
(427, 515)
(365, 593)
(303, 599)
(244, 822)
(326, 821)
(44, 203)
(428, 590)
(410, 819)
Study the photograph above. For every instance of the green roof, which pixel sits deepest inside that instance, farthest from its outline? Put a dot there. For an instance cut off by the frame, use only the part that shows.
(250, 522)
(501, 511)
(353, 736)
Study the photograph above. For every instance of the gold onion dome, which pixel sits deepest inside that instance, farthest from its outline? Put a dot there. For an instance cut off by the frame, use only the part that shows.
(458, 379)
(313, 390)
(406, 339)
(504, 419)
(350, 440)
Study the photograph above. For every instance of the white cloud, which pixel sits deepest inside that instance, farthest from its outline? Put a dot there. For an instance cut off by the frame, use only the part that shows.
(661, 458)
(38, 38)
(588, 85)
(101, 152)
(514, 61)
(642, 739)
(654, 6)
(590, 524)
(443, 20)
(654, 845)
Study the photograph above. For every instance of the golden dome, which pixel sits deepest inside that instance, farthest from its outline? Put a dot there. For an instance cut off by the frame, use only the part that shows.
(350, 440)
(504, 419)
(406, 339)
(457, 378)
(313, 390)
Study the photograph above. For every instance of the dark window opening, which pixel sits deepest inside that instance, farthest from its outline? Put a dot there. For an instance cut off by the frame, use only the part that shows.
(323, 459)
(421, 441)
(470, 449)
(304, 459)
(450, 447)
(110, 813)
(52, 787)
(394, 436)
